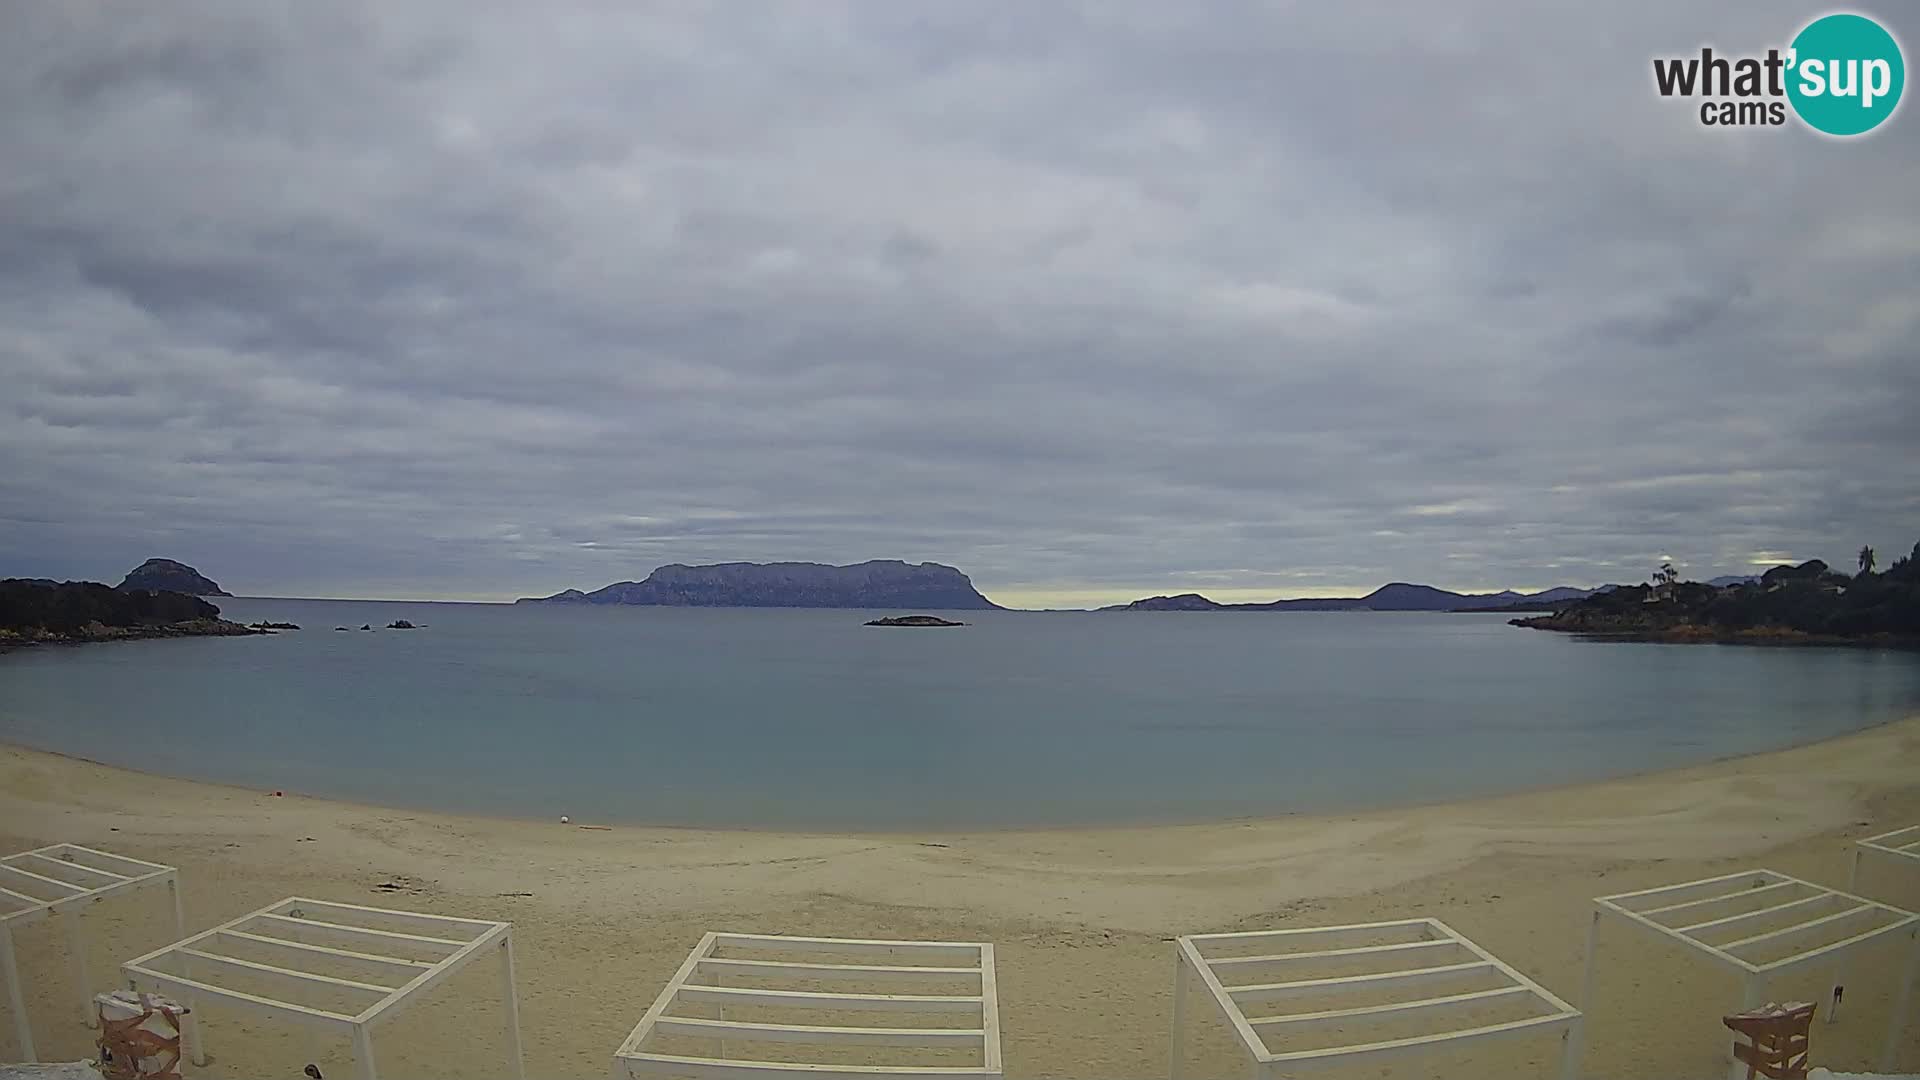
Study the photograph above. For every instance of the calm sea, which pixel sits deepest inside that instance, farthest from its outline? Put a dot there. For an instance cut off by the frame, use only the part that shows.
(808, 718)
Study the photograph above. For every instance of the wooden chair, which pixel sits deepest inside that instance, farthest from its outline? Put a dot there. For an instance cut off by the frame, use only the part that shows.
(1779, 1037)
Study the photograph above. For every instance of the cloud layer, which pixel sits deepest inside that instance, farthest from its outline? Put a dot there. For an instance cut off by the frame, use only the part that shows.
(1091, 301)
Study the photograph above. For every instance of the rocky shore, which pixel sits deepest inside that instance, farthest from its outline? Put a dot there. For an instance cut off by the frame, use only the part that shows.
(12, 637)
(1685, 633)
(82, 612)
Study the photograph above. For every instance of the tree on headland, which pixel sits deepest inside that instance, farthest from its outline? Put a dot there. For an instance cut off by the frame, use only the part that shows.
(1906, 568)
(1808, 602)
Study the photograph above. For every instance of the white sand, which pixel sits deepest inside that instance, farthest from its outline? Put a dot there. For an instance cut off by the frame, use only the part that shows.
(1083, 918)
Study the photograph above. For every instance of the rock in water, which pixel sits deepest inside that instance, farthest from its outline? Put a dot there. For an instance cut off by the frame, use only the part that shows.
(165, 575)
(914, 620)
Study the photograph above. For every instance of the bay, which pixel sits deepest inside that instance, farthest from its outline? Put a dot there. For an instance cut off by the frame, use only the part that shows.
(807, 718)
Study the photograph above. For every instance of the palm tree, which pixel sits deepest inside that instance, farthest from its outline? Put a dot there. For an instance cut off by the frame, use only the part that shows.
(1866, 560)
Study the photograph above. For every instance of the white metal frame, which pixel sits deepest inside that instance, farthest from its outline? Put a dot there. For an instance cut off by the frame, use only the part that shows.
(1709, 917)
(1898, 846)
(63, 880)
(1453, 956)
(702, 979)
(390, 958)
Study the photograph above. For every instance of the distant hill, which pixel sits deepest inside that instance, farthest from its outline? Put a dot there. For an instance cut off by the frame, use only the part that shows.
(166, 575)
(881, 583)
(1191, 601)
(1725, 580)
(1395, 596)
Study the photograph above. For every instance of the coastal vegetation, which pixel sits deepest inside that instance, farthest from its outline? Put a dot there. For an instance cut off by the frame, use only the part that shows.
(1810, 603)
(35, 612)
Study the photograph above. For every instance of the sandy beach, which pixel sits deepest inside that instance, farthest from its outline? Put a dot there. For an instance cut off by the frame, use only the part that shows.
(1082, 919)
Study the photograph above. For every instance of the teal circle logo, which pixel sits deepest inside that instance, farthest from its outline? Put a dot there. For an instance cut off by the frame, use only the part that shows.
(1845, 74)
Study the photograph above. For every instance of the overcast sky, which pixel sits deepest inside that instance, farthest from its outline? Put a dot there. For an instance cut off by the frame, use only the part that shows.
(1097, 301)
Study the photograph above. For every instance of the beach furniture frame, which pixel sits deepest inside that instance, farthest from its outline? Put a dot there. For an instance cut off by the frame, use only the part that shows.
(1441, 953)
(1898, 846)
(1716, 918)
(64, 880)
(389, 959)
(864, 966)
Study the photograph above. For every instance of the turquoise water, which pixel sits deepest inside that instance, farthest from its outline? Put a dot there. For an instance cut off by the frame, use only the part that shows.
(808, 718)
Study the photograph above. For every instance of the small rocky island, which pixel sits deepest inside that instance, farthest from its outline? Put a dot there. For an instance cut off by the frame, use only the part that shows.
(166, 575)
(913, 620)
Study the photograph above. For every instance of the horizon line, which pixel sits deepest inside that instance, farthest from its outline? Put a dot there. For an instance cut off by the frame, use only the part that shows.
(1234, 596)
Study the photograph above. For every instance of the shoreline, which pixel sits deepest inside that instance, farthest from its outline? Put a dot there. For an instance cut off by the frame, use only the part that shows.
(1906, 728)
(1697, 635)
(1290, 818)
(14, 640)
(1082, 919)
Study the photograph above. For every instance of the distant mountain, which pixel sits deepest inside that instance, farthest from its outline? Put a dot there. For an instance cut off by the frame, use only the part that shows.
(1733, 579)
(165, 575)
(1563, 592)
(882, 583)
(1395, 596)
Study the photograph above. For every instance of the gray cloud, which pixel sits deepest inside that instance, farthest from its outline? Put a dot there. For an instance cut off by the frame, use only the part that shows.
(435, 299)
